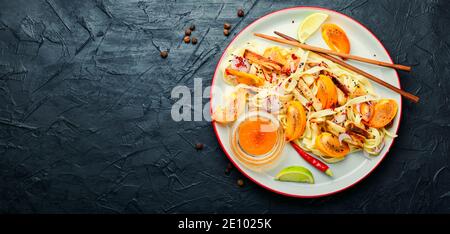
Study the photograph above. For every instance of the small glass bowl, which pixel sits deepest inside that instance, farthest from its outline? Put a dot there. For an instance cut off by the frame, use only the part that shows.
(257, 162)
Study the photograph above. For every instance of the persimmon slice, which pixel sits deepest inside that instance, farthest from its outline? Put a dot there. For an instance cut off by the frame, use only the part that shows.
(329, 145)
(295, 120)
(335, 38)
(385, 111)
(326, 92)
(245, 78)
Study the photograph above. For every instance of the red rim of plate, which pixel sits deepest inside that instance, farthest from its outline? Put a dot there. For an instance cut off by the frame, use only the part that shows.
(238, 167)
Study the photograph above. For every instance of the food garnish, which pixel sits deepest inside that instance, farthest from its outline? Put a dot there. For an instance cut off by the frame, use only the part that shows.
(313, 161)
(297, 174)
(335, 38)
(309, 25)
(326, 93)
(295, 120)
(330, 146)
(384, 112)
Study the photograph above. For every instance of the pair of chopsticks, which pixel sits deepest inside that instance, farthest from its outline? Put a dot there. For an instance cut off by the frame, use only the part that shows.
(327, 54)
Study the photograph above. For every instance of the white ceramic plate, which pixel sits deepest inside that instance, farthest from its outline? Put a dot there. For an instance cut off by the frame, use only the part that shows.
(355, 167)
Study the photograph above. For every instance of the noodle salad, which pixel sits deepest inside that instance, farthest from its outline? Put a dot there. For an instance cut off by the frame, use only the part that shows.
(322, 107)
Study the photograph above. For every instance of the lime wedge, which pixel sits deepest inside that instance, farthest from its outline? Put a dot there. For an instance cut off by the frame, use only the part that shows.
(297, 174)
(309, 25)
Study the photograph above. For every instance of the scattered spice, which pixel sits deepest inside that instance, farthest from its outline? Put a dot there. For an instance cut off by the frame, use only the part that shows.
(240, 62)
(226, 32)
(227, 171)
(164, 54)
(187, 32)
(240, 182)
(187, 39)
(192, 27)
(226, 26)
(194, 40)
(199, 146)
(240, 13)
(292, 21)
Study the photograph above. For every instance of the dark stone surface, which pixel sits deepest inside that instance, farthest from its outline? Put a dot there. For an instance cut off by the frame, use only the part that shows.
(85, 120)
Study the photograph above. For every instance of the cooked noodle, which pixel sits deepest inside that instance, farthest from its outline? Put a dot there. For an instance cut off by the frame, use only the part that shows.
(281, 88)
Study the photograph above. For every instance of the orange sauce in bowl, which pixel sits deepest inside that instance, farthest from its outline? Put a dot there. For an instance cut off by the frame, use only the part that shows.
(257, 136)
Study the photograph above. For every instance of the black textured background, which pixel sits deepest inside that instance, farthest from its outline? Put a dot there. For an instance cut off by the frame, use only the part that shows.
(85, 122)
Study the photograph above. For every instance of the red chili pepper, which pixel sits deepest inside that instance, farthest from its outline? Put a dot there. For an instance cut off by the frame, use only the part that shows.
(313, 161)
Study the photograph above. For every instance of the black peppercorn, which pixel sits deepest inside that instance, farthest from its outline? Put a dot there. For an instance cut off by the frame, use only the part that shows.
(240, 13)
(240, 182)
(192, 27)
(187, 32)
(164, 54)
(187, 39)
(194, 40)
(199, 146)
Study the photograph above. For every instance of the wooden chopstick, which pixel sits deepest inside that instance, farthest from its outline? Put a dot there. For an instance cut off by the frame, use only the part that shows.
(325, 51)
(359, 71)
